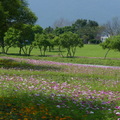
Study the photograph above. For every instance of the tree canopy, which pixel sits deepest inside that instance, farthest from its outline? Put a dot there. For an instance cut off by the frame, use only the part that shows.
(70, 41)
(42, 42)
(111, 43)
(14, 14)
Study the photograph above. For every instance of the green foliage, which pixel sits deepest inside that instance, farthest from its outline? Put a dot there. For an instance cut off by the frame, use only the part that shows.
(115, 43)
(106, 44)
(94, 41)
(86, 28)
(37, 29)
(48, 30)
(66, 40)
(64, 29)
(70, 41)
(50, 38)
(41, 42)
(111, 43)
(89, 32)
(80, 23)
(22, 38)
(14, 14)
(58, 31)
(11, 38)
(26, 38)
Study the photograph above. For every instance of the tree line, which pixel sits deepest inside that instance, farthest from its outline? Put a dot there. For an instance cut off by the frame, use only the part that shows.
(112, 28)
(18, 29)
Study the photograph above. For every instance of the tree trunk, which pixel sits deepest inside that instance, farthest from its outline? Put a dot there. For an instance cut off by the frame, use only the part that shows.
(30, 50)
(3, 49)
(73, 51)
(49, 48)
(45, 48)
(106, 54)
(20, 50)
(69, 52)
(24, 51)
(60, 52)
(40, 48)
(7, 48)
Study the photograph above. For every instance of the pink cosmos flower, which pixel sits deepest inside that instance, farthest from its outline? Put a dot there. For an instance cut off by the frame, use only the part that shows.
(117, 107)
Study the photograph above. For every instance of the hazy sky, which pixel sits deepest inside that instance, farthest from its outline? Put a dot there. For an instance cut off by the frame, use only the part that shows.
(48, 11)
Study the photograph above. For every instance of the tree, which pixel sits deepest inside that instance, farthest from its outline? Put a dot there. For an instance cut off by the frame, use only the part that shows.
(70, 41)
(111, 43)
(92, 23)
(50, 38)
(62, 30)
(89, 32)
(80, 23)
(58, 31)
(14, 14)
(37, 29)
(48, 30)
(41, 42)
(68, 29)
(61, 23)
(86, 29)
(26, 39)
(11, 38)
(22, 38)
(112, 27)
(57, 42)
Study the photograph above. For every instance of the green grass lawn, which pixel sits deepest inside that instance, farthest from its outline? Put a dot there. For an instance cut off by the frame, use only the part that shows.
(86, 51)
(89, 54)
(41, 90)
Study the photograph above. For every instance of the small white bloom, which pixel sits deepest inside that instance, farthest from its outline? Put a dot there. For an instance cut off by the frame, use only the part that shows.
(118, 113)
(58, 106)
(91, 112)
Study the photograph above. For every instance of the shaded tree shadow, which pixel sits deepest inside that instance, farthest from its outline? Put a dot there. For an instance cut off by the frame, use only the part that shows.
(22, 65)
(58, 51)
(17, 54)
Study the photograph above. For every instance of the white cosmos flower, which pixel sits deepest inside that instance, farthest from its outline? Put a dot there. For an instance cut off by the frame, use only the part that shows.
(58, 106)
(91, 112)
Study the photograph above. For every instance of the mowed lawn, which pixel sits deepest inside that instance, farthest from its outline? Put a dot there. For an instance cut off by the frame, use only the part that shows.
(88, 50)
(89, 54)
(34, 88)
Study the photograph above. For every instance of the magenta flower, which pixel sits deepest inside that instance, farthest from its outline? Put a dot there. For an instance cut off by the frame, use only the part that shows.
(117, 107)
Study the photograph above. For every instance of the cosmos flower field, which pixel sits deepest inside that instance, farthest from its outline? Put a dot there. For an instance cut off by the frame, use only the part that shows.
(45, 90)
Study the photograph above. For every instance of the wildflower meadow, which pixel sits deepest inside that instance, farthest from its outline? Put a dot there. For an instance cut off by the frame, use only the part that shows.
(45, 90)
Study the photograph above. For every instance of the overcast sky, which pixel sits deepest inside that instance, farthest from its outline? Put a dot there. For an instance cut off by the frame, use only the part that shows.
(48, 11)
